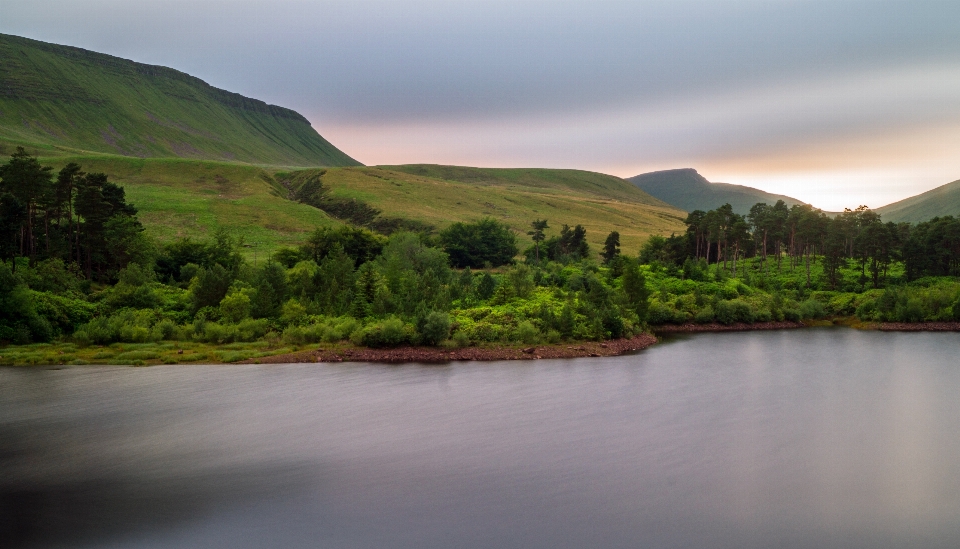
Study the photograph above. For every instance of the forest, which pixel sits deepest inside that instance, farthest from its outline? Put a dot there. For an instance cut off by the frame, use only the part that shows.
(77, 269)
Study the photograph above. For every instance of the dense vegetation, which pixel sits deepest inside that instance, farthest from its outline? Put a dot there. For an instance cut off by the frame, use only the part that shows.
(77, 267)
(80, 268)
(796, 263)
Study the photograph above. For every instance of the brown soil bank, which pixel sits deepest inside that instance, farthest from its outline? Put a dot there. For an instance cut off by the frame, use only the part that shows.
(717, 327)
(918, 326)
(433, 354)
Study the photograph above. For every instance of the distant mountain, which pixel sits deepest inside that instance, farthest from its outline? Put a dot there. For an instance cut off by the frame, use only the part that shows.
(688, 190)
(60, 99)
(944, 200)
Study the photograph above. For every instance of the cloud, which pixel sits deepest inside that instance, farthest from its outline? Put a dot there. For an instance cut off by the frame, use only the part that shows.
(763, 90)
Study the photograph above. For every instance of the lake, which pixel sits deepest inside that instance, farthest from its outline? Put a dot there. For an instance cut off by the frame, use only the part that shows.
(824, 437)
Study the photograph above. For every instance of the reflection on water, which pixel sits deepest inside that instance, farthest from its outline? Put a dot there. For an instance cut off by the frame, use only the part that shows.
(812, 438)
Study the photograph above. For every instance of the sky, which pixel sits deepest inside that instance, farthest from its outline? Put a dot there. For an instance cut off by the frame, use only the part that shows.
(834, 103)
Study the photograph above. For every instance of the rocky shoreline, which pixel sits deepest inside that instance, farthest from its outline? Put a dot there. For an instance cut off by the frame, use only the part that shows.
(576, 350)
(918, 326)
(717, 327)
(434, 354)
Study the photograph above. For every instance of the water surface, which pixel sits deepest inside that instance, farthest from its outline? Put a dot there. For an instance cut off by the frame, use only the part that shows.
(802, 438)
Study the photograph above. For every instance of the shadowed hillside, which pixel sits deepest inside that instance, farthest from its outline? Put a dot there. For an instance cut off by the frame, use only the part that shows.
(939, 202)
(688, 190)
(63, 100)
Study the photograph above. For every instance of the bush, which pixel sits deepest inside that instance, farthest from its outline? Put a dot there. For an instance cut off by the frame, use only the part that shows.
(391, 332)
(660, 313)
(812, 308)
(705, 315)
(734, 310)
(434, 328)
(791, 314)
(527, 333)
(476, 244)
(236, 305)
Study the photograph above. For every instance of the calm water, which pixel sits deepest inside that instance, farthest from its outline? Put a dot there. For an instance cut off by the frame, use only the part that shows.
(813, 438)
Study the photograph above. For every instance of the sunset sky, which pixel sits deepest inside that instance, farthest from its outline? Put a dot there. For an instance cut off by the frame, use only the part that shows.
(835, 103)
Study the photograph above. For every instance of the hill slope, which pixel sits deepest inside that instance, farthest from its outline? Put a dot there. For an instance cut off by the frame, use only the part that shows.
(61, 99)
(941, 201)
(193, 198)
(688, 190)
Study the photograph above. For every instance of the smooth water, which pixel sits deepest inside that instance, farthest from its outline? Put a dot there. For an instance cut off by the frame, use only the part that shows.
(804, 438)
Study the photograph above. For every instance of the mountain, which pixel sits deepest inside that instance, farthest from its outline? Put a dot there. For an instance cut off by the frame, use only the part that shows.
(64, 100)
(941, 201)
(688, 190)
(194, 159)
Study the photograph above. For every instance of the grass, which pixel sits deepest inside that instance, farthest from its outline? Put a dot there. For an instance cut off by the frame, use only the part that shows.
(941, 201)
(192, 198)
(441, 195)
(137, 354)
(66, 99)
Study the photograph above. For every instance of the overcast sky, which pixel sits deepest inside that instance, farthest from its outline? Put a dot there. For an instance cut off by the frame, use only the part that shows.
(834, 103)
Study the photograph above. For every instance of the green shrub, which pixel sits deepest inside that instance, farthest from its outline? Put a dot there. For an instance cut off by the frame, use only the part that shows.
(705, 315)
(660, 313)
(812, 308)
(527, 333)
(791, 314)
(734, 310)
(391, 332)
(434, 328)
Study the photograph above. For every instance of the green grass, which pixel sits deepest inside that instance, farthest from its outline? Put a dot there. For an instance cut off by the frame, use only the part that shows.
(137, 354)
(939, 202)
(441, 195)
(60, 99)
(193, 198)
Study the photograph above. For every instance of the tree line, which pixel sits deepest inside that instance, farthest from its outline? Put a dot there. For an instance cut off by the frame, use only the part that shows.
(77, 217)
(802, 235)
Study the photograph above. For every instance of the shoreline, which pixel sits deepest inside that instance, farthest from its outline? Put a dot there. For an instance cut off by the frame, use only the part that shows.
(735, 327)
(614, 347)
(916, 326)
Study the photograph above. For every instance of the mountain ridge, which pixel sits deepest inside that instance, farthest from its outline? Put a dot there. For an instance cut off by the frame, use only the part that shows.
(64, 98)
(686, 189)
(937, 202)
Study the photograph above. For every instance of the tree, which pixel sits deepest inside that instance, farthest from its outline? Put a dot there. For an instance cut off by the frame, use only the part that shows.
(636, 291)
(476, 244)
(30, 183)
(611, 247)
(13, 215)
(537, 234)
(360, 244)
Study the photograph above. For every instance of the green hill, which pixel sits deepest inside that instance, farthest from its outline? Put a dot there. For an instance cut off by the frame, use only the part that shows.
(182, 197)
(65, 100)
(688, 190)
(944, 200)
(194, 159)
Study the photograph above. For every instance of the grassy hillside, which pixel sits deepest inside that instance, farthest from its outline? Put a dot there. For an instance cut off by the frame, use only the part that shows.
(441, 195)
(688, 190)
(180, 197)
(64, 100)
(944, 200)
